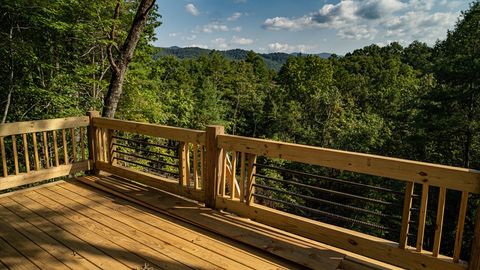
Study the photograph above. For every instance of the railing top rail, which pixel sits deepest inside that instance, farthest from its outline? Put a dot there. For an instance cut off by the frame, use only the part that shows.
(173, 133)
(401, 169)
(42, 125)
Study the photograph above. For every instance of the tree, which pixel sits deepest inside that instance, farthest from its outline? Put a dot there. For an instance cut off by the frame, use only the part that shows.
(125, 54)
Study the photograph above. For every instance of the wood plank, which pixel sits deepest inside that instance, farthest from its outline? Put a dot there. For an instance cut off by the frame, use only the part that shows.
(35, 152)
(173, 133)
(91, 135)
(233, 176)
(195, 165)
(439, 223)
(66, 160)
(202, 167)
(213, 164)
(267, 239)
(4, 157)
(25, 149)
(462, 213)
(358, 243)
(81, 248)
(45, 150)
(55, 148)
(99, 251)
(34, 253)
(222, 184)
(406, 170)
(474, 263)
(226, 248)
(422, 217)
(82, 143)
(63, 254)
(74, 144)
(140, 248)
(242, 177)
(252, 159)
(407, 206)
(152, 180)
(182, 164)
(145, 234)
(36, 176)
(42, 125)
(13, 259)
(15, 154)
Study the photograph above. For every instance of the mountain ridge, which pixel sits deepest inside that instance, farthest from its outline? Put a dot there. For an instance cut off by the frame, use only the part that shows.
(273, 60)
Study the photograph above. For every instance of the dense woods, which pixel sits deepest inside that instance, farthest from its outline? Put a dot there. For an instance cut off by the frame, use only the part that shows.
(416, 102)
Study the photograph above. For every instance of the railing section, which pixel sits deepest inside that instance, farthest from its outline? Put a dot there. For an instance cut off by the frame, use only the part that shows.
(168, 158)
(40, 150)
(254, 184)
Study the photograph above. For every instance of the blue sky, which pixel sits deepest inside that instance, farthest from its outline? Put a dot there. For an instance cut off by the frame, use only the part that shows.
(309, 26)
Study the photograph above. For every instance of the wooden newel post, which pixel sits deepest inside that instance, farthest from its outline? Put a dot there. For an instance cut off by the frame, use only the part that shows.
(91, 137)
(474, 263)
(213, 164)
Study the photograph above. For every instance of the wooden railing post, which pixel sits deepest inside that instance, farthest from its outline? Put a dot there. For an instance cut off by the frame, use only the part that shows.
(91, 137)
(474, 263)
(213, 164)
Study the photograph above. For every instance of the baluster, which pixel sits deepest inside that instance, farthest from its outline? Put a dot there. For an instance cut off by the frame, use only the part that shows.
(182, 164)
(55, 148)
(202, 164)
(242, 177)
(74, 144)
(4, 157)
(233, 181)
(195, 166)
(45, 149)
(15, 154)
(25, 149)
(65, 149)
(460, 226)
(422, 217)
(439, 223)
(223, 181)
(82, 143)
(407, 206)
(35, 152)
(252, 159)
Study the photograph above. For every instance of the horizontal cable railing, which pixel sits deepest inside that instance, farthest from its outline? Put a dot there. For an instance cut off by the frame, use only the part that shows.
(388, 209)
(164, 157)
(383, 202)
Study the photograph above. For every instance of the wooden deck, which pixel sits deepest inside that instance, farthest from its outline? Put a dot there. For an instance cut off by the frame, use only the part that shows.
(72, 226)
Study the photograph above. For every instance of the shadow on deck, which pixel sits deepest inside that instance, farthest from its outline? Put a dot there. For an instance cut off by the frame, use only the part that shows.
(72, 225)
(76, 225)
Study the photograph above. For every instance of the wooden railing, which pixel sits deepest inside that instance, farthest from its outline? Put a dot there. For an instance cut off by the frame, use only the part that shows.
(42, 150)
(164, 157)
(231, 173)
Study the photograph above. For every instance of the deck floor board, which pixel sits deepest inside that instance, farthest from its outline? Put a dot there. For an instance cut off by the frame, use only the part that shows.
(74, 226)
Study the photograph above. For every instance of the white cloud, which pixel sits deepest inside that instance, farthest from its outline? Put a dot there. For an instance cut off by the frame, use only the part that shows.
(211, 27)
(173, 34)
(370, 19)
(190, 8)
(203, 46)
(237, 29)
(220, 43)
(241, 41)
(235, 16)
(288, 48)
(240, 1)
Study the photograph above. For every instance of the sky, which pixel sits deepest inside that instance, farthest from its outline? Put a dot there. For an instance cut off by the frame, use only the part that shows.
(308, 26)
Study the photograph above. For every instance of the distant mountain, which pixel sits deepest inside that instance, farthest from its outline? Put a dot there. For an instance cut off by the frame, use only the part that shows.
(272, 60)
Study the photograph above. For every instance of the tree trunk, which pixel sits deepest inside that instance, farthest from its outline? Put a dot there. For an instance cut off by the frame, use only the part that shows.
(120, 65)
(10, 91)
